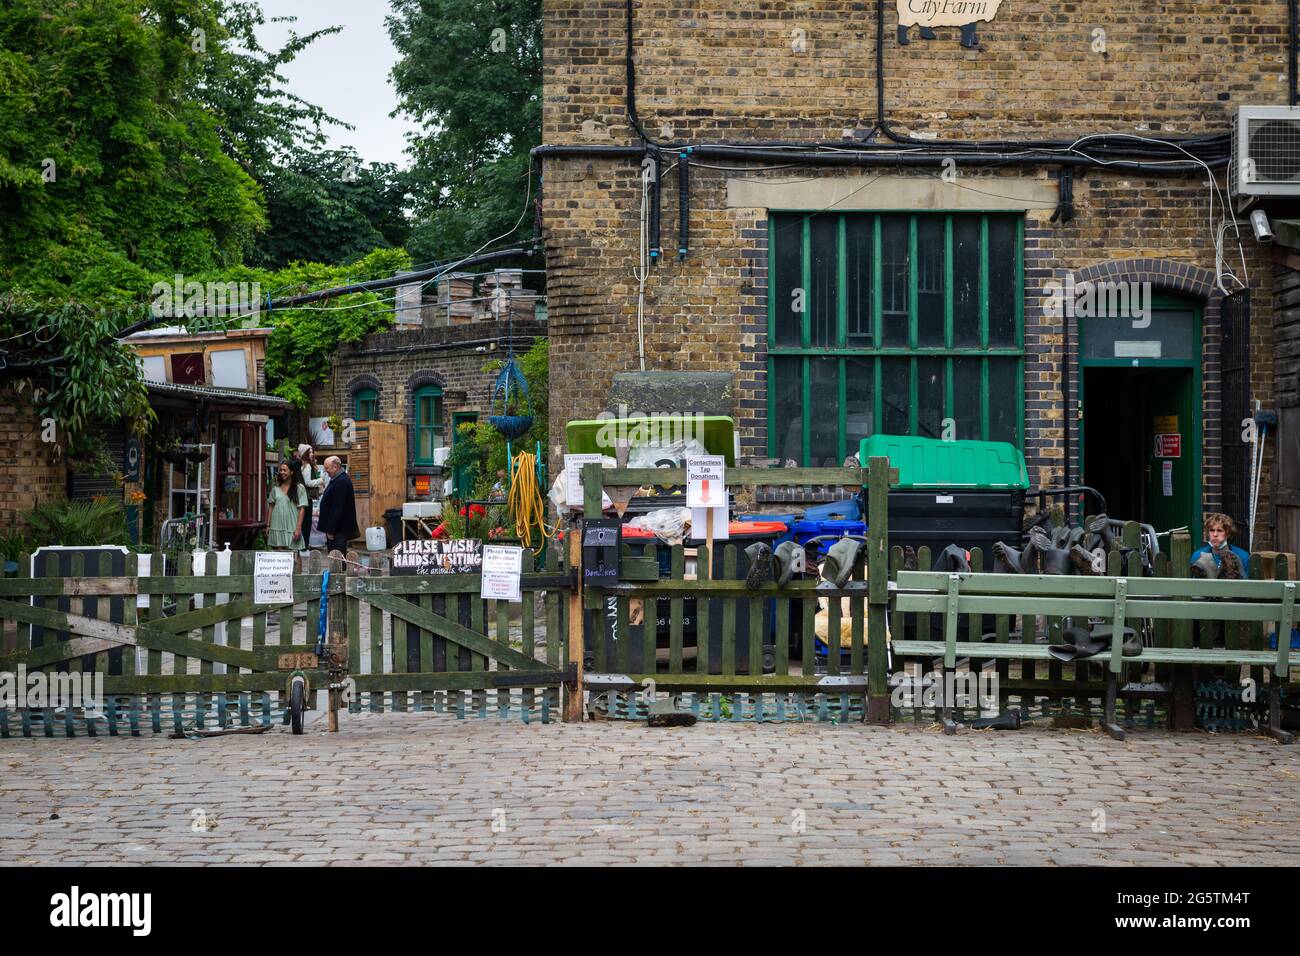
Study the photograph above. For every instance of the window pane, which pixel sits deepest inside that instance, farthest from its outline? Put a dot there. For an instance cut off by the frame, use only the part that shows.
(894, 398)
(930, 281)
(858, 234)
(787, 234)
(824, 415)
(1004, 400)
(859, 386)
(825, 278)
(966, 396)
(929, 397)
(1002, 281)
(425, 449)
(787, 426)
(894, 277)
(966, 280)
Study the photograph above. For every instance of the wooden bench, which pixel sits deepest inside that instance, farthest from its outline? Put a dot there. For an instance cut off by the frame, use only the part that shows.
(1116, 599)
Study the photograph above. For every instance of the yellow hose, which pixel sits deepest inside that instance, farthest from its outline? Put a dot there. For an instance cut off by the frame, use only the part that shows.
(525, 502)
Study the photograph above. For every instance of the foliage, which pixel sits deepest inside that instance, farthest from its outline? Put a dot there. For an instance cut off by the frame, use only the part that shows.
(485, 446)
(260, 122)
(110, 168)
(327, 206)
(304, 340)
(471, 73)
(100, 381)
(14, 545)
(77, 523)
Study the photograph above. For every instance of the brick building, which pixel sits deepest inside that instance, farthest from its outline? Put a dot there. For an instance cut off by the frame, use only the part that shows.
(898, 277)
(429, 379)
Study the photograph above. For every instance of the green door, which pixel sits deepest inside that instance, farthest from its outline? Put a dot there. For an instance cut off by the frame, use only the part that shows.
(1172, 481)
(458, 476)
(1142, 379)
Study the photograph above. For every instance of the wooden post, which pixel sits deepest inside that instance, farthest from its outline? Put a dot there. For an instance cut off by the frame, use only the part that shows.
(706, 574)
(336, 625)
(877, 591)
(593, 487)
(1184, 686)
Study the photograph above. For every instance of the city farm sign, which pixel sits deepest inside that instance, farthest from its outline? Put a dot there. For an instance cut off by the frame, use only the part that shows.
(928, 14)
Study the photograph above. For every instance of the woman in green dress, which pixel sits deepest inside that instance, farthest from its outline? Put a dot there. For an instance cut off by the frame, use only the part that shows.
(288, 502)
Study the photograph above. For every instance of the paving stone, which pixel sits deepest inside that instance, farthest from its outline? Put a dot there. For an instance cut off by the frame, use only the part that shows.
(421, 788)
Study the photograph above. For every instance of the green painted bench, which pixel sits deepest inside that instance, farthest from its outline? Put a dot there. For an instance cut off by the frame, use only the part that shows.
(1116, 599)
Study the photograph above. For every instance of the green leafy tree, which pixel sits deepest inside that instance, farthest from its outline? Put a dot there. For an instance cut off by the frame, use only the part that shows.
(327, 206)
(471, 73)
(304, 340)
(109, 169)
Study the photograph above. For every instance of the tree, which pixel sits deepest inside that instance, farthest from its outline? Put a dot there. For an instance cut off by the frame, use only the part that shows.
(471, 73)
(109, 170)
(327, 206)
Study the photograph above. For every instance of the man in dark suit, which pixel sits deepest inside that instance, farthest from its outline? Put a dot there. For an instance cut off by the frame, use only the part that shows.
(338, 508)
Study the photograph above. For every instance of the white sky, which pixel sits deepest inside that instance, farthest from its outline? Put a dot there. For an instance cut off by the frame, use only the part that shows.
(347, 73)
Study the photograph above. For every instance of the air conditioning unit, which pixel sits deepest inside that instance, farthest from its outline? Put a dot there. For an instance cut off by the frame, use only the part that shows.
(1266, 151)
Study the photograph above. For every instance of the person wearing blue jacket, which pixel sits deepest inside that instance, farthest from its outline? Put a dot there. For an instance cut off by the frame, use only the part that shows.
(1232, 563)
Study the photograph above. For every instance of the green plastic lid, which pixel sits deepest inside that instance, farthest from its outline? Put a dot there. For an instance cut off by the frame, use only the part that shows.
(716, 433)
(931, 463)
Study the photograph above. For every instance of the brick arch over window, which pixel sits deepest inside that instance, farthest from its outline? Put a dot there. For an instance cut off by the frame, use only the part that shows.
(359, 383)
(413, 385)
(1177, 278)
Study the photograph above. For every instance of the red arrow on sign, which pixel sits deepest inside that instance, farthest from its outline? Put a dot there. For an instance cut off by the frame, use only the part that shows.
(704, 489)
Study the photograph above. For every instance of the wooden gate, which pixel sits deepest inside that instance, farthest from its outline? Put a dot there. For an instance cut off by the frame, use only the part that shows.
(431, 643)
(176, 651)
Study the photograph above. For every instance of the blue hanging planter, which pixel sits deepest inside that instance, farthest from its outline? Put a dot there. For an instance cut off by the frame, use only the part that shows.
(510, 385)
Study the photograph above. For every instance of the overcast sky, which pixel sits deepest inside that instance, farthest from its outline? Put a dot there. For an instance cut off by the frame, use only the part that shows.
(347, 73)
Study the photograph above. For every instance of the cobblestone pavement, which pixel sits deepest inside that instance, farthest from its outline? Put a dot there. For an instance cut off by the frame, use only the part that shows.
(425, 788)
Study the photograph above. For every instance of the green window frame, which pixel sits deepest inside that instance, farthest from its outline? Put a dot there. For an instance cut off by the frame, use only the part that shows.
(890, 322)
(365, 404)
(428, 423)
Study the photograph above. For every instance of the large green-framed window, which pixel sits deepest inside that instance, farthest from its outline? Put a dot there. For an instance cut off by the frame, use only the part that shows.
(428, 423)
(890, 323)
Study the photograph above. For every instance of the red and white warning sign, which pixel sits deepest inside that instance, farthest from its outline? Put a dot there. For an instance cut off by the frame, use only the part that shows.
(706, 481)
(1169, 446)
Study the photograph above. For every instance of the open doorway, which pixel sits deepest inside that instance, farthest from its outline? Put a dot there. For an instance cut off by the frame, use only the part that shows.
(1141, 443)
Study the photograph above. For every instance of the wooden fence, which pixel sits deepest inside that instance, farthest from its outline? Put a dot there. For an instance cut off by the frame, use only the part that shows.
(179, 652)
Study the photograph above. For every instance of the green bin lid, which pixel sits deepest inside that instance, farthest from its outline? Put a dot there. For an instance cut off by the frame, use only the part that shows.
(716, 432)
(931, 463)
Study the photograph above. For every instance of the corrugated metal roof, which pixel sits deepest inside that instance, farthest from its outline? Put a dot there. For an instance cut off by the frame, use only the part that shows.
(232, 396)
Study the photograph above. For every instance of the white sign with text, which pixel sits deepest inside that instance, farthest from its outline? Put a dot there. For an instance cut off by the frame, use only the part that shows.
(573, 477)
(502, 567)
(273, 577)
(706, 481)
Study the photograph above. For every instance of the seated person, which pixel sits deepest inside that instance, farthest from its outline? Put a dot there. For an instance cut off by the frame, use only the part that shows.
(1232, 563)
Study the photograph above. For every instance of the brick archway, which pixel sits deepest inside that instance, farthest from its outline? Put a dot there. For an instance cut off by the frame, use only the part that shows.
(1178, 278)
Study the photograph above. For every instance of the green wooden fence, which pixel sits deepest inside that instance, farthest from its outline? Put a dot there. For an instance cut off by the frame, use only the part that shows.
(191, 653)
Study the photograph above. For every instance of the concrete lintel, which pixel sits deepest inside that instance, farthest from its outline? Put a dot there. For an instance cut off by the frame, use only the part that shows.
(893, 192)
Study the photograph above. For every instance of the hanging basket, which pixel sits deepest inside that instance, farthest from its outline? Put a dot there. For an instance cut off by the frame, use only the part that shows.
(511, 390)
(512, 426)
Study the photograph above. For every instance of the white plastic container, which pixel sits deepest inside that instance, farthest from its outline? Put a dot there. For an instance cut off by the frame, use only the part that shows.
(440, 455)
(376, 539)
(419, 509)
